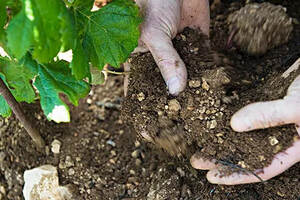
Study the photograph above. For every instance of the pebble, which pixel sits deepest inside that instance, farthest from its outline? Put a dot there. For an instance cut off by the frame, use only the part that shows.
(42, 183)
(137, 144)
(71, 172)
(205, 85)
(180, 171)
(132, 172)
(55, 146)
(174, 105)
(273, 140)
(135, 153)
(141, 96)
(194, 83)
(277, 148)
(138, 162)
(111, 143)
(212, 124)
(2, 190)
(113, 153)
(69, 162)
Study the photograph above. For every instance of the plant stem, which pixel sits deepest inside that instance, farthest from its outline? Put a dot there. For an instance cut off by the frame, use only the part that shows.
(14, 105)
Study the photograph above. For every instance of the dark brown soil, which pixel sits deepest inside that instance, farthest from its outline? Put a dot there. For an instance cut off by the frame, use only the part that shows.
(201, 116)
(130, 170)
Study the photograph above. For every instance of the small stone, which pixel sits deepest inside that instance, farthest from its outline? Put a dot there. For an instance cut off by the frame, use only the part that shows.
(280, 194)
(137, 144)
(69, 162)
(194, 83)
(111, 143)
(55, 146)
(261, 158)
(135, 153)
(273, 140)
(2, 190)
(138, 162)
(89, 101)
(132, 172)
(113, 153)
(180, 171)
(205, 85)
(277, 148)
(212, 124)
(174, 105)
(112, 161)
(183, 37)
(242, 164)
(141, 96)
(71, 172)
(42, 183)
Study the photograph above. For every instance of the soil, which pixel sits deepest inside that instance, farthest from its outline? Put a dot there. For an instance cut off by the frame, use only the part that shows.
(101, 157)
(198, 120)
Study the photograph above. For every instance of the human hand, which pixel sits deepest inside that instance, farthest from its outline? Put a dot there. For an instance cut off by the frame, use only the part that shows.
(257, 116)
(162, 21)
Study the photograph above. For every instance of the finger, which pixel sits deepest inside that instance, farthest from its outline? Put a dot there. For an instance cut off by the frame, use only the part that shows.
(281, 163)
(200, 163)
(265, 114)
(170, 64)
(298, 128)
(126, 78)
(195, 14)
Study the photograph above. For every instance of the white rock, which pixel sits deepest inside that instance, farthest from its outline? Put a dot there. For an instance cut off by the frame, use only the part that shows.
(55, 146)
(42, 184)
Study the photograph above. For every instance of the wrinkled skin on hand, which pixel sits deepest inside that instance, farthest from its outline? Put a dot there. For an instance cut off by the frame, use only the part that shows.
(257, 116)
(162, 21)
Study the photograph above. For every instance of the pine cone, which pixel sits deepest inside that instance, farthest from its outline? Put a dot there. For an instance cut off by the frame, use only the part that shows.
(256, 28)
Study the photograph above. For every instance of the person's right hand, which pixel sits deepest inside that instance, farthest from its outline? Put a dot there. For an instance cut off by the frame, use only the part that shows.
(163, 19)
(257, 116)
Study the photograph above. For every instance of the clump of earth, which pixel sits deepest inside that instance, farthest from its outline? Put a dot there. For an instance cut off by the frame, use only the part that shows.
(258, 27)
(198, 119)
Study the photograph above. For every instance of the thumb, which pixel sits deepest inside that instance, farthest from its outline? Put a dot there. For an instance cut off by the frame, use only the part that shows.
(169, 62)
(266, 114)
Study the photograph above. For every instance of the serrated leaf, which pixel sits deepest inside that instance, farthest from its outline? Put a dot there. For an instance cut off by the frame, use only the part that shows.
(113, 31)
(18, 78)
(54, 79)
(44, 25)
(68, 31)
(3, 14)
(80, 64)
(83, 4)
(5, 110)
(19, 35)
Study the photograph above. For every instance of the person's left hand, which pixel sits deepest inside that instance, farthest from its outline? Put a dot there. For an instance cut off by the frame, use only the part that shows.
(257, 116)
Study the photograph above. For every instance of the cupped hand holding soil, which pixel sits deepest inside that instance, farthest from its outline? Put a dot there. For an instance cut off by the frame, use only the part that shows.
(258, 116)
(162, 21)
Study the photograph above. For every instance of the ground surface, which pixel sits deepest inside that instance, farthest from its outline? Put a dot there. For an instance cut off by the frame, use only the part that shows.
(100, 156)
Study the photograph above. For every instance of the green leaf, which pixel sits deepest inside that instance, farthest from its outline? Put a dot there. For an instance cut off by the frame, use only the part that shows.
(45, 25)
(20, 35)
(54, 79)
(113, 32)
(5, 110)
(3, 14)
(18, 78)
(68, 31)
(80, 64)
(83, 4)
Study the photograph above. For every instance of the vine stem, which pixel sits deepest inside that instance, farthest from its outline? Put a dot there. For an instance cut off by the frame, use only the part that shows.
(15, 106)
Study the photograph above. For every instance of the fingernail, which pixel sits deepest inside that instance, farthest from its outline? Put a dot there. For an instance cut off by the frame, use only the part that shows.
(239, 123)
(175, 85)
